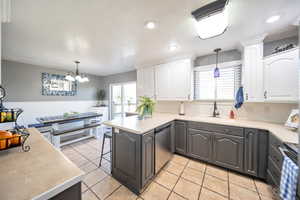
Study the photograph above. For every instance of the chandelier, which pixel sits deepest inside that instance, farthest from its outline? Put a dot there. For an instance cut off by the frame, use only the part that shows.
(77, 76)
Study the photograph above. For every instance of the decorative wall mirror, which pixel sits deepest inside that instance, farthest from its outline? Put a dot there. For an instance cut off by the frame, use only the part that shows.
(57, 85)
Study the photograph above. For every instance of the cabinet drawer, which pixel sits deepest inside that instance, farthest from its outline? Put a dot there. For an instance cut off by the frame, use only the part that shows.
(274, 171)
(231, 130)
(274, 141)
(276, 156)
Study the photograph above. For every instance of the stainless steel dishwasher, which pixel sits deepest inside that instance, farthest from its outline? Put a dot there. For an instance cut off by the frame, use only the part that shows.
(162, 146)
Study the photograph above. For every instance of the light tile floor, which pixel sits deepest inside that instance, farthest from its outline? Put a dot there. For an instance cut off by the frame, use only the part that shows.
(182, 178)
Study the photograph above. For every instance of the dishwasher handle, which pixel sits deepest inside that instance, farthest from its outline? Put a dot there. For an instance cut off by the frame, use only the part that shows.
(162, 128)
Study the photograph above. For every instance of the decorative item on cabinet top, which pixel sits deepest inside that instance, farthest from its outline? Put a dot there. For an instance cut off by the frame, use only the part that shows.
(57, 85)
(283, 48)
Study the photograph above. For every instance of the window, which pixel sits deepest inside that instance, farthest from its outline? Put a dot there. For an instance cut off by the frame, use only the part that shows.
(227, 84)
(123, 99)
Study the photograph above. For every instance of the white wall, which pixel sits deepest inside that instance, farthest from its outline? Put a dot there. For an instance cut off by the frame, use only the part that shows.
(276, 113)
(34, 109)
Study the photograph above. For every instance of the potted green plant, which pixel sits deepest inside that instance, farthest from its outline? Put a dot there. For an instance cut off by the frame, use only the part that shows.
(146, 107)
(101, 94)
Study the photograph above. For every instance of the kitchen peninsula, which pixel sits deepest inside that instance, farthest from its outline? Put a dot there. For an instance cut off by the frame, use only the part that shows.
(42, 173)
(237, 145)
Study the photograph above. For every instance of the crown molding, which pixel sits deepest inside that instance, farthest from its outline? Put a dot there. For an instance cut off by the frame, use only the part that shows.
(255, 40)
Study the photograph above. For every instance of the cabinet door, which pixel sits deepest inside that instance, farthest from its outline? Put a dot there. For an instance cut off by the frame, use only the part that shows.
(281, 76)
(162, 81)
(180, 137)
(199, 144)
(228, 151)
(145, 82)
(126, 159)
(251, 156)
(148, 157)
(253, 72)
(180, 79)
(173, 81)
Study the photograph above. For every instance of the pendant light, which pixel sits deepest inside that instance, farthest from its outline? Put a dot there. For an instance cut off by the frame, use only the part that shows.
(216, 112)
(78, 77)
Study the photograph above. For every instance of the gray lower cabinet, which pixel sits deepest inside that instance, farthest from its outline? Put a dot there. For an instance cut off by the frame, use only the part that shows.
(228, 151)
(147, 157)
(241, 149)
(200, 144)
(180, 137)
(133, 158)
(126, 159)
(256, 152)
(251, 156)
(73, 192)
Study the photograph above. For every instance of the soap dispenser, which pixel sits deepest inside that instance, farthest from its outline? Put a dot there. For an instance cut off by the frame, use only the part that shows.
(181, 108)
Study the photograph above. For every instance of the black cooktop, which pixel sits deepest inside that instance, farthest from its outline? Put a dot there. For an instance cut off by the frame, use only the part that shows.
(292, 151)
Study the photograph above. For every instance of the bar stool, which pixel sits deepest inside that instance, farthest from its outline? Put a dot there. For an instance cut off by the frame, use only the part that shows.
(106, 135)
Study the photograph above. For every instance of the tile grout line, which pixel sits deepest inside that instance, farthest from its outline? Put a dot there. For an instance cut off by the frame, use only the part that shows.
(202, 181)
(90, 161)
(90, 187)
(114, 191)
(259, 195)
(228, 185)
(185, 166)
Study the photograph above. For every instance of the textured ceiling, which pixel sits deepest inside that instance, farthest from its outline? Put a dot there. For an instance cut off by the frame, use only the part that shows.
(109, 36)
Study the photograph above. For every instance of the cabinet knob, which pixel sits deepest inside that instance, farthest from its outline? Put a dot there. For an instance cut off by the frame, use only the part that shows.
(265, 94)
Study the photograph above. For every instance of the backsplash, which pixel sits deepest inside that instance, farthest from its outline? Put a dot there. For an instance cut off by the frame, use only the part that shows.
(268, 112)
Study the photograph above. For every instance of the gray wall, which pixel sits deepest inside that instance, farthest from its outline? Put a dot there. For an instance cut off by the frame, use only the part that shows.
(23, 83)
(270, 46)
(224, 56)
(118, 78)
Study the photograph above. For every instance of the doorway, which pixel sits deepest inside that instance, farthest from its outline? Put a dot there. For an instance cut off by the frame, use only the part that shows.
(122, 99)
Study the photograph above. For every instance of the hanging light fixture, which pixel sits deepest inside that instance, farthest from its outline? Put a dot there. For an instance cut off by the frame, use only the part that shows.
(211, 19)
(78, 77)
(216, 112)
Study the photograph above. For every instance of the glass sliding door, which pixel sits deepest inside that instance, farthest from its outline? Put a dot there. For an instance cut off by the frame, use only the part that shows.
(123, 99)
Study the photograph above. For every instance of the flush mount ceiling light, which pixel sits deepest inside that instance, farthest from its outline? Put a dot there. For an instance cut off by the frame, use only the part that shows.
(173, 47)
(150, 25)
(273, 19)
(211, 19)
(77, 77)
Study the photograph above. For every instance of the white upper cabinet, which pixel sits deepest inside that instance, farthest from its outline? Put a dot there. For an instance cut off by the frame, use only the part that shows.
(252, 72)
(173, 80)
(281, 76)
(146, 82)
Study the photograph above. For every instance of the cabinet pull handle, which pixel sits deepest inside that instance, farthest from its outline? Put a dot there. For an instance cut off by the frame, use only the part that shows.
(265, 94)
(246, 96)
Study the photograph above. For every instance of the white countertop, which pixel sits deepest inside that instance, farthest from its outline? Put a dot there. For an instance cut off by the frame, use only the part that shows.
(132, 124)
(38, 174)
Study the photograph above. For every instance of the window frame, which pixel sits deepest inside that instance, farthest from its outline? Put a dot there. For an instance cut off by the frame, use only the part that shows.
(222, 65)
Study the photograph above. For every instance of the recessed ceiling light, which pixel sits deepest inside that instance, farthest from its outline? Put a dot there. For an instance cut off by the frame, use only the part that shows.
(173, 47)
(273, 19)
(150, 25)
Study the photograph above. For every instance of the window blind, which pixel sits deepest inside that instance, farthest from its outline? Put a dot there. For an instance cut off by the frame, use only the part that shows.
(227, 84)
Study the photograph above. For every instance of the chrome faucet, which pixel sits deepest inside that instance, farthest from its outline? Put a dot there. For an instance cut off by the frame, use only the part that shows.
(216, 112)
